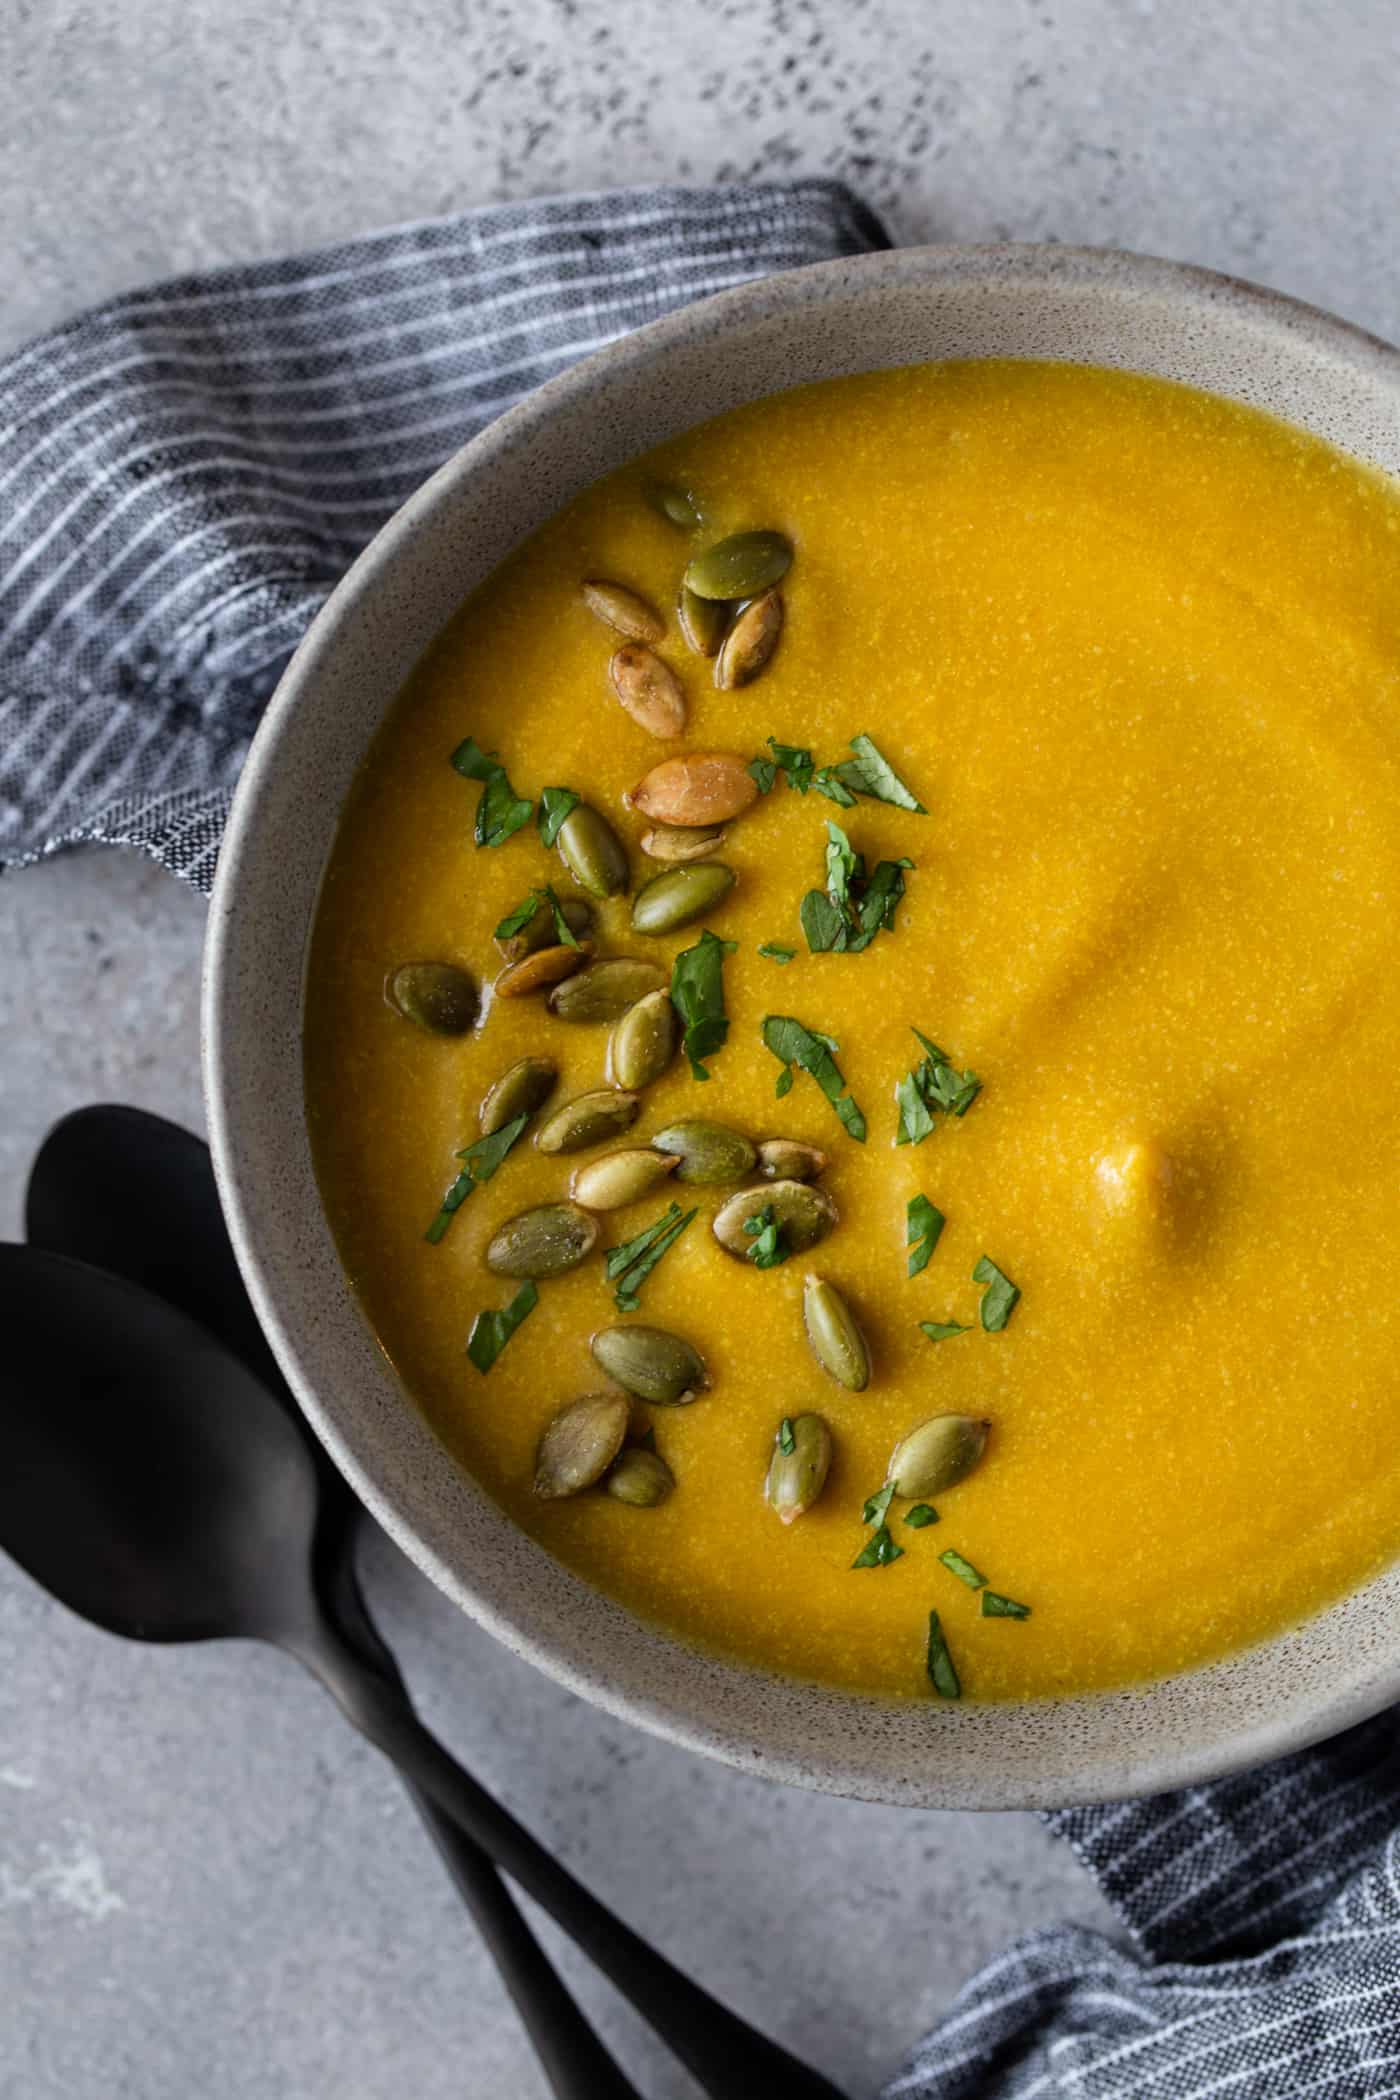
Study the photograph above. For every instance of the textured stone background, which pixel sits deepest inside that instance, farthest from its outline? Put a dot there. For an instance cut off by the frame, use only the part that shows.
(207, 1887)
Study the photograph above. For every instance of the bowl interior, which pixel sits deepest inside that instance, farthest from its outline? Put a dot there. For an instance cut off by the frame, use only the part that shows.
(818, 323)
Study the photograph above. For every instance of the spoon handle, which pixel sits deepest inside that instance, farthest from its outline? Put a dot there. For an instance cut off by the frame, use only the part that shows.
(721, 2051)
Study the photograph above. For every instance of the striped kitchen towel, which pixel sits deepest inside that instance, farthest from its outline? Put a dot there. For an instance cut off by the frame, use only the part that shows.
(1262, 1960)
(186, 471)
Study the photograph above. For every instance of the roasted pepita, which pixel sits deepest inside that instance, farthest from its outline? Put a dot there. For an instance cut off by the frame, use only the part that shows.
(537, 971)
(678, 896)
(651, 1364)
(545, 1241)
(579, 1445)
(750, 642)
(624, 610)
(740, 566)
(834, 1334)
(803, 1215)
(589, 1119)
(619, 1178)
(675, 504)
(644, 1041)
(710, 1154)
(703, 788)
(788, 1159)
(519, 1091)
(648, 689)
(437, 995)
(703, 622)
(936, 1455)
(674, 844)
(592, 852)
(798, 1468)
(603, 991)
(640, 1478)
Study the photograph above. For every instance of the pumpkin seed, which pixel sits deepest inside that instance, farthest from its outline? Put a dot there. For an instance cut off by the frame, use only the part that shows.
(644, 1041)
(788, 1159)
(579, 1445)
(589, 1119)
(803, 1214)
(837, 1342)
(544, 967)
(603, 991)
(619, 1178)
(670, 842)
(704, 622)
(740, 566)
(679, 895)
(519, 1091)
(592, 852)
(542, 1242)
(538, 930)
(627, 612)
(704, 787)
(936, 1455)
(797, 1475)
(710, 1154)
(649, 690)
(674, 503)
(652, 1364)
(750, 642)
(438, 996)
(641, 1478)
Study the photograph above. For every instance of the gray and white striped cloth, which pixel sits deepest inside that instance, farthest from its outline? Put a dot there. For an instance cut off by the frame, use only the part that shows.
(183, 475)
(186, 471)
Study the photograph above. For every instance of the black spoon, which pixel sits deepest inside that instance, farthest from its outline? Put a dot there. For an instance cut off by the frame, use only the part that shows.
(134, 1194)
(153, 1485)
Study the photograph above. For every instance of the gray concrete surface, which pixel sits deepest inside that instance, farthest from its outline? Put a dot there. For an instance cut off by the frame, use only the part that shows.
(208, 1889)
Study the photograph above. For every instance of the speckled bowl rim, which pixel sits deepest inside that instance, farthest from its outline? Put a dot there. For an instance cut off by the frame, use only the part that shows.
(1080, 304)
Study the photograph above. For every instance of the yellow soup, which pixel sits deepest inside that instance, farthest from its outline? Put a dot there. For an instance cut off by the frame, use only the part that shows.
(1137, 650)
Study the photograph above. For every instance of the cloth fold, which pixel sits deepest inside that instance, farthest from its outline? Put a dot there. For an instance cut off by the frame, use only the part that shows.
(184, 474)
(186, 471)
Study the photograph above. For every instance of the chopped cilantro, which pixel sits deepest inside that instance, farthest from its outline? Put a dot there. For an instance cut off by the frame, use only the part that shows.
(995, 1606)
(963, 1569)
(925, 1225)
(792, 1043)
(879, 1550)
(697, 993)
(1000, 1296)
(492, 1330)
(479, 1163)
(500, 812)
(768, 1250)
(942, 1676)
(557, 805)
(922, 1514)
(942, 1330)
(630, 1264)
(787, 1440)
(877, 1507)
(776, 952)
(933, 1088)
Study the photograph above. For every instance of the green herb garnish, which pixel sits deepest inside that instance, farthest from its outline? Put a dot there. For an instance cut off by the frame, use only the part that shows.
(877, 1507)
(1000, 1296)
(697, 993)
(879, 1551)
(942, 1330)
(942, 1676)
(934, 1087)
(479, 1163)
(792, 1043)
(492, 1330)
(870, 773)
(775, 952)
(925, 1226)
(787, 1440)
(921, 1514)
(845, 918)
(827, 781)
(995, 1606)
(963, 1569)
(630, 1264)
(764, 1229)
(791, 760)
(500, 811)
(517, 920)
(556, 806)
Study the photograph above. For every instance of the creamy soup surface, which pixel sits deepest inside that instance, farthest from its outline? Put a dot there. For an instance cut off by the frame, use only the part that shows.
(1137, 650)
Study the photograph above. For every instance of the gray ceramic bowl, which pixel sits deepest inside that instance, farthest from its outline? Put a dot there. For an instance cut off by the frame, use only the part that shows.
(840, 317)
